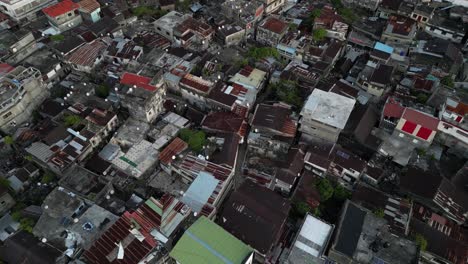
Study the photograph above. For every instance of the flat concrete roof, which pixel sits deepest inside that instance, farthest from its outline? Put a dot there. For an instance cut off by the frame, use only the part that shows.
(328, 108)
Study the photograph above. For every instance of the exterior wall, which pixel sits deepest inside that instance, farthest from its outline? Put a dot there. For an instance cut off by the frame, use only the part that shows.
(317, 170)
(374, 89)
(6, 202)
(268, 37)
(444, 33)
(24, 103)
(234, 39)
(194, 98)
(317, 129)
(273, 5)
(23, 9)
(66, 21)
(93, 16)
(22, 48)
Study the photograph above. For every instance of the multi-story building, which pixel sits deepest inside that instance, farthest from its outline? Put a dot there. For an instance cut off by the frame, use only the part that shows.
(325, 114)
(142, 96)
(90, 10)
(271, 30)
(21, 91)
(195, 90)
(367, 4)
(63, 15)
(230, 35)
(272, 6)
(192, 33)
(399, 30)
(244, 13)
(20, 10)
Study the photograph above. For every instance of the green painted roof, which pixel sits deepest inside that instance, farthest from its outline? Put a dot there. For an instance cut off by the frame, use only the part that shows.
(133, 164)
(207, 243)
(153, 206)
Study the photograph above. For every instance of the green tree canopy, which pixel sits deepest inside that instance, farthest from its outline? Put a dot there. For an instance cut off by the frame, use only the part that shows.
(319, 34)
(448, 81)
(4, 182)
(261, 53)
(420, 241)
(341, 193)
(48, 177)
(325, 189)
(379, 212)
(195, 139)
(71, 120)
(57, 38)
(27, 224)
(102, 91)
(8, 140)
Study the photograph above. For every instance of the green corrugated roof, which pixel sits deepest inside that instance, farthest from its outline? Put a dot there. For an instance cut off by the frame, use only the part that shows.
(154, 207)
(207, 243)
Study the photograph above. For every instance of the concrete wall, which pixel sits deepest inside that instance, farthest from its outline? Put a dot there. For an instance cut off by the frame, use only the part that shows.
(316, 129)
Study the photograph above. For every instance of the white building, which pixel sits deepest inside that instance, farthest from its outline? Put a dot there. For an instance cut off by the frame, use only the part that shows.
(325, 114)
(20, 10)
(21, 91)
(311, 242)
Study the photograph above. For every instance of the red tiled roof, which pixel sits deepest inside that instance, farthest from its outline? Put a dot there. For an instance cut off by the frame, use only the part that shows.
(393, 108)
(225, 122)
(275, 25)
(401, 25)
(89, 5)
(86, 55)
(420, 118)
(422, 84)
(196, 83)
(137, 80)
(60, 8)
(461, 108)
(5, 68)
(174, 148)
(144, 219)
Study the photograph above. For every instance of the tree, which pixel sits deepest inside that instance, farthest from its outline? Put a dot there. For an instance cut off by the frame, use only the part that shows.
(325, 189)
(195, 139)
(319, 34)
(48, 177)
(4, 182)
(301, 208)
(57, 38)
(341, 193)
(27, 224)
(102, 91)
(379, 212)
(315, 13)
(71, 120)
(8, 140)
(261, 53)
(448, 81)
(420, 241)
(422, 98)
(347, 14)
(316, 212)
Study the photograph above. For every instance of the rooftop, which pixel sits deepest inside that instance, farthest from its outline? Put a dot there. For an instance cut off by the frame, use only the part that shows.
(311, 241)
(60, 8)
(137, 81)
(206, 242)
(365, 238)
(89, 5)
(274, 24)
(275, 118)
(87, 54)
(255, 215)
(329, 108)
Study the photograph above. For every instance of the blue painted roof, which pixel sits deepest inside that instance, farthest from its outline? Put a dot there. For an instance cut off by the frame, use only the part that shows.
(199, 191)
(382, 47)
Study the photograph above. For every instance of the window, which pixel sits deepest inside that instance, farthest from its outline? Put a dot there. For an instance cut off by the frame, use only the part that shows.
(414, 15)
(5, 116)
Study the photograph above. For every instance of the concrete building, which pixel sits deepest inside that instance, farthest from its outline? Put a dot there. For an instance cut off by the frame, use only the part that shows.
(193, 34)
(244, 13)
(362, 237)
(22, 90)
(63, 15)
(272, 6)
(165, 25)
(271, 30)
(6, 200)
(142, 96)
(195, 90)
(399, 30)
(22, 10)
(311, 241)
(230, 35)
(87, 56)
(16, 45)
(367, 4)
(325, 114)
(90, 10)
